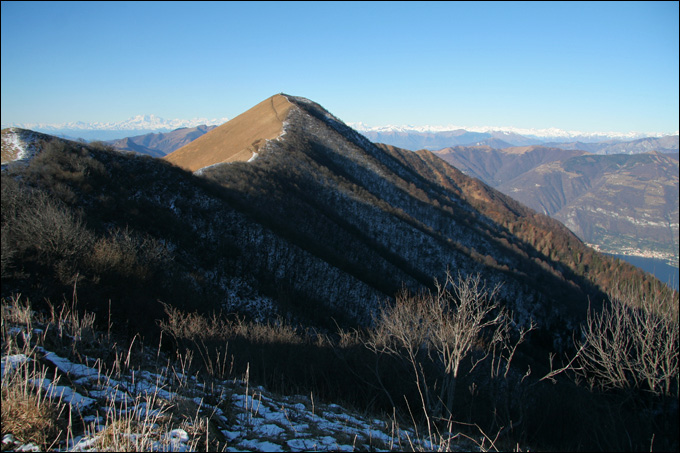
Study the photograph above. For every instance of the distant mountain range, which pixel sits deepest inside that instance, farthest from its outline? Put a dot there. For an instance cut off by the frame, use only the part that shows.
(621, 204)
(600, 143)
(549, 134)
(161, 143)
(408, 137)
(665, 144)
(137, 125)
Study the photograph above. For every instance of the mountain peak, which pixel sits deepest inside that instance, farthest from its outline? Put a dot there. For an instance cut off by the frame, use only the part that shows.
(237, 140)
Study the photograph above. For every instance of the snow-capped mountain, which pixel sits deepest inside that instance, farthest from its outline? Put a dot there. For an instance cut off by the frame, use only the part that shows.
(137, 125)
(513, 135)
(139, 122)
(549, 134)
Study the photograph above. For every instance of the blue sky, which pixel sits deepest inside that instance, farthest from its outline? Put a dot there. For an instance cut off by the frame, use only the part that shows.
(583, 66)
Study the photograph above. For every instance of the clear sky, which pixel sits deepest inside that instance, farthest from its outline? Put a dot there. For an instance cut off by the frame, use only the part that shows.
(610, 66)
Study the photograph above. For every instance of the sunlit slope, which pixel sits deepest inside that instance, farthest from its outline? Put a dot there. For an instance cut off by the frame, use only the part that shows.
(21, 144)
(236, 140)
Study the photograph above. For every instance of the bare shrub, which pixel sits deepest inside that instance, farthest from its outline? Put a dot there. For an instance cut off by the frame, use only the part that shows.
(127, 254)
(7, 252)
(108, 255)
(627, 355)
(632, 343)
(44, 232)
(271, 332)
(11, 202)
(52, 229)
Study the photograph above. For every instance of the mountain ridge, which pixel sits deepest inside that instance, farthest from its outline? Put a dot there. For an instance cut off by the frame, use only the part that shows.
(396, 164)
(19, 145)
(325, 221)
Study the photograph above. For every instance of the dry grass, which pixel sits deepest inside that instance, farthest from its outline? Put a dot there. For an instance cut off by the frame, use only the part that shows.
(130, 429)
(236, 140)
(29, 415)
(26, 413)
(145, 421)
(196, 327)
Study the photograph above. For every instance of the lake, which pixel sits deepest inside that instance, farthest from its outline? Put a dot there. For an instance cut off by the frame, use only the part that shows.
(661, 270)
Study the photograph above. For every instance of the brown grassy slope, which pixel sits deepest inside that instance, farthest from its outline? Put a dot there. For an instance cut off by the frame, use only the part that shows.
(9, 150)
(15, 139)
(237, 139)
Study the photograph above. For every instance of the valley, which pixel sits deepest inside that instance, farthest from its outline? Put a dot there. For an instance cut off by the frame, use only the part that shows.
(619, 204)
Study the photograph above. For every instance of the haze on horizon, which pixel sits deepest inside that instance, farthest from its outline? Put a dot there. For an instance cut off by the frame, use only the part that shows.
(583, 66)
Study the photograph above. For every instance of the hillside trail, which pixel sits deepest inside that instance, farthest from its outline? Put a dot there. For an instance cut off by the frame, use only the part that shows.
(275, 111)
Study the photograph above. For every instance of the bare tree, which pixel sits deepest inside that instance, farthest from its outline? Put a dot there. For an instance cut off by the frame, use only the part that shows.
(443, 329)
(458, 318)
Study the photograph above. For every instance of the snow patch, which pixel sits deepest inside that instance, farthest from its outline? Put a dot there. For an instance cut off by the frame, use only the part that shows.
(11, 362)
(257, 420)
(63, 393)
